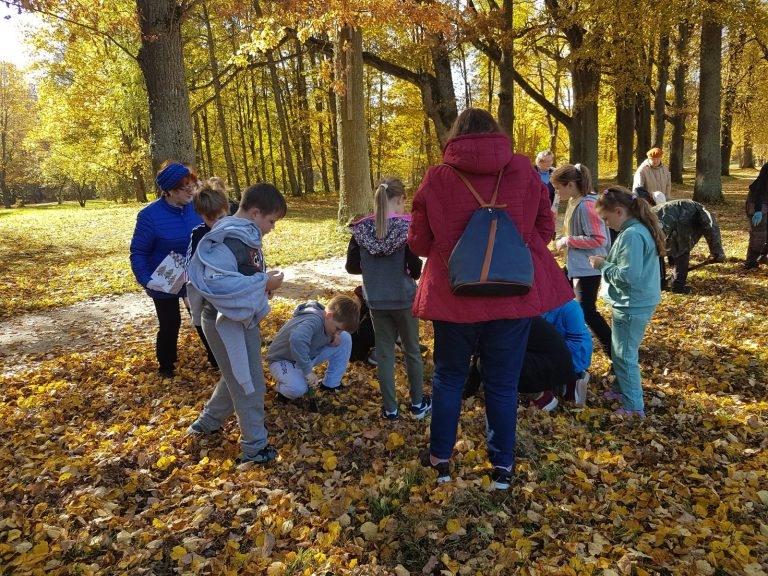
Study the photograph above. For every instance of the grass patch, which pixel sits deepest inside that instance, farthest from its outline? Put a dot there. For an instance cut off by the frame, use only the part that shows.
(56, 255)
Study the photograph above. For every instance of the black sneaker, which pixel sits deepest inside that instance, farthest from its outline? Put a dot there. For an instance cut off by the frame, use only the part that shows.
(263, 456)
(325, 388)
(501, 478)
(680, 289)
(372, 358)
(389, 415)
(422, 409)
(442, 468)
(283, 399)
(167, 373)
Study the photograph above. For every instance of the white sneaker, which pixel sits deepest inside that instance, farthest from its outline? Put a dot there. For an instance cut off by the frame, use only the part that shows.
(580, 393)
(372, 357)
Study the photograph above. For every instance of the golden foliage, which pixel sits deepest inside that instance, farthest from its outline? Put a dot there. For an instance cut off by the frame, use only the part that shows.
(97, 474)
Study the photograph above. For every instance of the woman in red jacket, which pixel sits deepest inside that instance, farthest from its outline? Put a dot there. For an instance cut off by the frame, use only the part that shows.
(498, 325)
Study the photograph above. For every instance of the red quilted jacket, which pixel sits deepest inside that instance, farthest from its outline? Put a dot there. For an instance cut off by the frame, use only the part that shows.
(441, 209)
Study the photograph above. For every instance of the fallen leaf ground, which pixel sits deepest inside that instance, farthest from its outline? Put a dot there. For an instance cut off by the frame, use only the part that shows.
(98, 476)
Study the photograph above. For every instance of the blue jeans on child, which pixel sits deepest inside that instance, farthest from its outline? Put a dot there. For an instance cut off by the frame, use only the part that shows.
(289, 379)
(628, 329)
(229, 396)
(501, 345)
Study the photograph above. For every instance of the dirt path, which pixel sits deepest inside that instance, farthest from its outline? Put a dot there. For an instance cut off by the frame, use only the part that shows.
(79, 327)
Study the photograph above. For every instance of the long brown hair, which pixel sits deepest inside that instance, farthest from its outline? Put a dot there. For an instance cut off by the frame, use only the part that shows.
(615, 196)
(390, 187)
(577, 173)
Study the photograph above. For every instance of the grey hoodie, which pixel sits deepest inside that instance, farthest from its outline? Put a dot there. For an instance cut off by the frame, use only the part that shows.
(301, 338)
(241, 301)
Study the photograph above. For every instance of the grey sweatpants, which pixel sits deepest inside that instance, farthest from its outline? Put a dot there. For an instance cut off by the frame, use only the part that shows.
(229, 396)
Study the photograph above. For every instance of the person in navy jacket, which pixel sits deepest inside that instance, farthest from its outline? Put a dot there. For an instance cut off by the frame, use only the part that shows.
(162, 227)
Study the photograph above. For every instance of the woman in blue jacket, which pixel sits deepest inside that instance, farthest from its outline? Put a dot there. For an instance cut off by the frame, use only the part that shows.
(163, 227)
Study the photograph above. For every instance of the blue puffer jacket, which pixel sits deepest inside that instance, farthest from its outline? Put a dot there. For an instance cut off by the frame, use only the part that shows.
(160, 229)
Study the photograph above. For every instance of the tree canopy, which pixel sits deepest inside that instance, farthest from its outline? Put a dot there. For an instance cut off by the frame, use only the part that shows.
(249, 91)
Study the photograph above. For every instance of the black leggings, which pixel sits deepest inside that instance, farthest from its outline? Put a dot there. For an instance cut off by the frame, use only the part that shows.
(169, 320)
(586, 289)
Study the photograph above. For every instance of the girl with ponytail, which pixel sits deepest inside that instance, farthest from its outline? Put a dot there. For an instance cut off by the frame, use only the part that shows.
(631, 273)
(379, 251)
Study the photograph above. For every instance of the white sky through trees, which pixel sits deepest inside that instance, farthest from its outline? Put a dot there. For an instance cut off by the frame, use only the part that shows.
(12, 26)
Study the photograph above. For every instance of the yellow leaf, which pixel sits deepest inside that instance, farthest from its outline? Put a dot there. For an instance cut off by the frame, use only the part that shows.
(394, 440)
(329, 461)
(178, 552)
(452, 526)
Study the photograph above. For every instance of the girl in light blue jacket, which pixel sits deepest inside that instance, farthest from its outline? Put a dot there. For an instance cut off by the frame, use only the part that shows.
(631, 274)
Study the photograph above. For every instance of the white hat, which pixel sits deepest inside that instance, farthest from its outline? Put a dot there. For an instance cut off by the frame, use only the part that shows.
(659, 197)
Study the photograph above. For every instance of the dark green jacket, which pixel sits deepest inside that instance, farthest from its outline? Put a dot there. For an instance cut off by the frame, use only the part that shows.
(685, 222)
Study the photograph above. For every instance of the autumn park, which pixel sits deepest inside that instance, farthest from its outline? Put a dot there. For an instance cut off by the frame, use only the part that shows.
(98, 471)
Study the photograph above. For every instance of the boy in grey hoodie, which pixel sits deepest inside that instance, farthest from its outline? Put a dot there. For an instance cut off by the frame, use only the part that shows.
(314, 335)
(228, 291)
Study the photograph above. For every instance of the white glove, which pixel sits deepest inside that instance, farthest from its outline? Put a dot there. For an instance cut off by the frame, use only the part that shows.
(561, 242)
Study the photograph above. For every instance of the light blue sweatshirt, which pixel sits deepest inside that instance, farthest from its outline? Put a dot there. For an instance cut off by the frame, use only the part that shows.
(631, 271)
(240, 300)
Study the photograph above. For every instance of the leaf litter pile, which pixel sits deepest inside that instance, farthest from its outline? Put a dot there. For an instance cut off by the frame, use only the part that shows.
(100, 477)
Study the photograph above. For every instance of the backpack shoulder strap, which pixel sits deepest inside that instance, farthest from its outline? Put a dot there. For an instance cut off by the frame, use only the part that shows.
(477, 196)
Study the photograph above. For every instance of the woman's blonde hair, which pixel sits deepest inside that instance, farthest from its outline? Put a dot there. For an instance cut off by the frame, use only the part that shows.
(390, 187)
(616, 196)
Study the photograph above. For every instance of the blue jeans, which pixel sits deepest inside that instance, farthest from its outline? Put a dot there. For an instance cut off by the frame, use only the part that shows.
(501, 345)
(628, 331)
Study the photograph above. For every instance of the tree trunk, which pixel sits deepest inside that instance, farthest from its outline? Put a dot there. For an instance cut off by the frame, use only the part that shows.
(583, 131)
(320, 116)
(333, 128)
(207, 139)
(660, 95)
(161, 60)
(643, 109)
(506, 110)
(198, 139)
(216, 83)
(625, 127)
(680, 108)
(747, 155)
(735, 51)
(441, 95)
(282, 120)
(356, 196)
(305, 136)
(708, 186)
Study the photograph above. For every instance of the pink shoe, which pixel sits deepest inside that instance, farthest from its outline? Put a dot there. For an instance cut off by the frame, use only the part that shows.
(613, 395)
(628, 413)
(545, 401)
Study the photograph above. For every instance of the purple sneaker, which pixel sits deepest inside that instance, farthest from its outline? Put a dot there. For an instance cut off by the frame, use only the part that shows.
(613, 395)
(623, 412)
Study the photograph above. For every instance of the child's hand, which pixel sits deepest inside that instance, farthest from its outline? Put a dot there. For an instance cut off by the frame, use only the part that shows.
(561, 243)
(596, 261)
(311, 380)
(274, 281)
(336, 340)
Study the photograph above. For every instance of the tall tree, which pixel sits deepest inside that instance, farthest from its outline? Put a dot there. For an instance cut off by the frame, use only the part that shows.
(356, 195)
(679, 113)
(17, 116)
(218, 100)
(161, 60)
(734, 73)
(708, 186)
